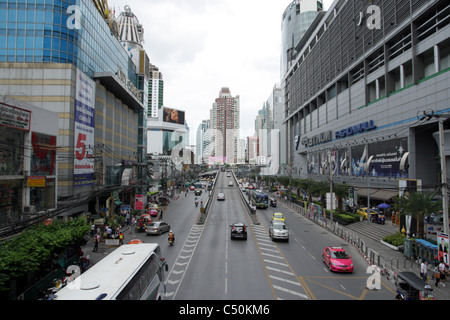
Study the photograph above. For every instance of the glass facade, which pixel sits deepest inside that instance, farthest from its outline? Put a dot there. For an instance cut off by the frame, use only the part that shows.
(295, 23)
(37, 31)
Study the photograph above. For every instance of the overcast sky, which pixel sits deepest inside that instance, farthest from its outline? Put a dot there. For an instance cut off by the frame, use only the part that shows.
(201, 46)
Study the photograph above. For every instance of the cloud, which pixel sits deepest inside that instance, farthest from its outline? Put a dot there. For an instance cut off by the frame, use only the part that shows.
(201, 46)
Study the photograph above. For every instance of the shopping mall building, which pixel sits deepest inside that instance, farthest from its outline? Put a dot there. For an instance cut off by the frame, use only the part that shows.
(357, 88)
(65, 56)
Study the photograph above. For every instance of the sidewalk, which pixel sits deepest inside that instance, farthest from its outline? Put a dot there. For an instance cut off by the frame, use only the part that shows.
(104, 249)
(386, 257)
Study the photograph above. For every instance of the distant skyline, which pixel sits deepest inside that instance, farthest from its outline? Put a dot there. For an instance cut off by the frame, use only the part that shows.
(201, 46)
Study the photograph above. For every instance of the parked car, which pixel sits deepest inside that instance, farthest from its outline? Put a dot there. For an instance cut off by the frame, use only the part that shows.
(337, 259)
(238, 231)
(221, 196)
(158, 227)
(279, 231)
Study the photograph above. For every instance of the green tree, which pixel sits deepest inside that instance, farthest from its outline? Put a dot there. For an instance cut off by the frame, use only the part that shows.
(32, 249)
(341, 192)
(311, 187)
(419, 205)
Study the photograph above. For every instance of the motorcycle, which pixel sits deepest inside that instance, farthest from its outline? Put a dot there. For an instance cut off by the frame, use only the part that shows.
(196, 203)
(171, 241)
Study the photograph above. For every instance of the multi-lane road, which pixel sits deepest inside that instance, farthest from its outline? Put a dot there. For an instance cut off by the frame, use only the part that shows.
(205, 264)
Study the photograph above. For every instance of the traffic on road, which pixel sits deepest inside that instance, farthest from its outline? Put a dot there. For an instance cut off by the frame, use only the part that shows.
(283, 256)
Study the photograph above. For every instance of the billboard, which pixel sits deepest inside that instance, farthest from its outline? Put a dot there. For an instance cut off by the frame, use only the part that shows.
(83, 174)
(386, 158)
(173, 116)
(43, 157)
(351, 161)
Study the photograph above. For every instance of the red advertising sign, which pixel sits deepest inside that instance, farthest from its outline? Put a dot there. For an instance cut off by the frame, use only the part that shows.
(139, 202)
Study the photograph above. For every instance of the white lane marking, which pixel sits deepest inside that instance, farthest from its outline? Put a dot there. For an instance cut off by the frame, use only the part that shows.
(285, 280)
(291, 292)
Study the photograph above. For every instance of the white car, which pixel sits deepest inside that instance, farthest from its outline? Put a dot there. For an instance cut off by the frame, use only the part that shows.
(221, 196)
(279, 231)
(230, 183)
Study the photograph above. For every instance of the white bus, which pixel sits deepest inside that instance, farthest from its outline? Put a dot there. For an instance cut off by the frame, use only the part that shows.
(131, 272)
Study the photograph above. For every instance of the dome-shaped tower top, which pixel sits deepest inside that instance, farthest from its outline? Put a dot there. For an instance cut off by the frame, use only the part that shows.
(130, 30)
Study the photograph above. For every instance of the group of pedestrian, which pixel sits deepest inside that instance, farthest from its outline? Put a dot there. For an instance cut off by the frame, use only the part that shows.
(439, 272)
(105, 232)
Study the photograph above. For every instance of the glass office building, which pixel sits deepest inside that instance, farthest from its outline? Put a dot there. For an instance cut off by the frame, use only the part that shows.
(54, 53)
(296, 20)
(44, 31)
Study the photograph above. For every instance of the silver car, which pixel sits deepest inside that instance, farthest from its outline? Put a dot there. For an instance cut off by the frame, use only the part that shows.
(279, 231)
(221, 196)
(157, 227)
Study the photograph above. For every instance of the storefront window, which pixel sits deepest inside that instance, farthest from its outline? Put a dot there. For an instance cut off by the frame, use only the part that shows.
(11, 152)
(10, 201)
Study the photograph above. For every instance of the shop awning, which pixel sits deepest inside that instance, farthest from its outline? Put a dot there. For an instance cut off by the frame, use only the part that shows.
(378, 194)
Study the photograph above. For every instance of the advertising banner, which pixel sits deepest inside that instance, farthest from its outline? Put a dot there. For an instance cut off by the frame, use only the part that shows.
(443, 247)
(173, 116)
(359, 159)
(139, 202)
(43, 157)
(84, 131)
(343, 162)
(387, 156)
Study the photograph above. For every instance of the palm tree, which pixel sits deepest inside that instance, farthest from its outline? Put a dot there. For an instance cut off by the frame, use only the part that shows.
(341, 191)
(311, 187)
(419, 205)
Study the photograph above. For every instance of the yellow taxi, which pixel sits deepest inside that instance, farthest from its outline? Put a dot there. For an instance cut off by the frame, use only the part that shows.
(362, 212)
(278, 217)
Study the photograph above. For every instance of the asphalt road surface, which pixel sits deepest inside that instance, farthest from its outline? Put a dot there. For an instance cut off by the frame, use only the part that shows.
(205, 264)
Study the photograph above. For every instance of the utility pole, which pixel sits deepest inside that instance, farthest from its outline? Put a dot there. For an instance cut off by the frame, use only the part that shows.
(331, 188)
(443, 174)
(444, 185)
(368, 182)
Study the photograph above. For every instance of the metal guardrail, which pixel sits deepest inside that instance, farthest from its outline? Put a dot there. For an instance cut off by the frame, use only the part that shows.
(389, 267)
(204, 211)
(251, 211)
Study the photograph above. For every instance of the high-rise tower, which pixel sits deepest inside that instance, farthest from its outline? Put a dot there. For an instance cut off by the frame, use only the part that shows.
(225, 127)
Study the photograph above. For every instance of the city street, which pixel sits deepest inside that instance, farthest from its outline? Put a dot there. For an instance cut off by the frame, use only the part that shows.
(205, 264)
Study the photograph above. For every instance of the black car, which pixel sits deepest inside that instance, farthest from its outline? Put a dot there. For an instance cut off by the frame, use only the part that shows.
(238, 231)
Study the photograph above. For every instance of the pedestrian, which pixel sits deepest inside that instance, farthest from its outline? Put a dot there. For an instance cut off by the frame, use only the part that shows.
(121, 238)
(442, 274)
(437, 275)
(96, 242)
(423, 270)
(160, 214)
(93, 230)
(108, 232)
